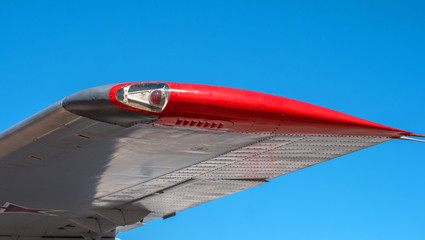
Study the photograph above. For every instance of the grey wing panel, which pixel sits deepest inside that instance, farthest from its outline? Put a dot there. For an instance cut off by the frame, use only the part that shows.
(235, 171)
(84, 160)
(35, 179)
(34, 127)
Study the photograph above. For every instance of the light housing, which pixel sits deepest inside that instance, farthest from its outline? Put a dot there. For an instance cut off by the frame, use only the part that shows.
(150, 96)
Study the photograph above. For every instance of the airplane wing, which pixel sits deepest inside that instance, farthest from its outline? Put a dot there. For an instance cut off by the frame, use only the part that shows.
(114, 157)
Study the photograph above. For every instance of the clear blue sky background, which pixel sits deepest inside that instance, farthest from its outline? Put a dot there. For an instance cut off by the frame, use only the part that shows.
(364, 58)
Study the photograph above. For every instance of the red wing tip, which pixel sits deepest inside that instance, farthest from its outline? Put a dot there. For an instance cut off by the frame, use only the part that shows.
(416, 135)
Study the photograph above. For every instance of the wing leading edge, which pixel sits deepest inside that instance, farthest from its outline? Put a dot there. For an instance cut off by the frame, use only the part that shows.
(112, 158)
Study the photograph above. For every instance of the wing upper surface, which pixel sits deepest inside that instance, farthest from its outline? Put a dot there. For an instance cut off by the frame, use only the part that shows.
(85, 168)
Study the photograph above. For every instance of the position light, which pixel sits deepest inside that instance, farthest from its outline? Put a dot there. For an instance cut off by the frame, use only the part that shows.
(156, 97)
(151, 97)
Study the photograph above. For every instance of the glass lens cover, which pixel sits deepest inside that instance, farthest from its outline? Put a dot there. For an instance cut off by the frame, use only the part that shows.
(151, 97)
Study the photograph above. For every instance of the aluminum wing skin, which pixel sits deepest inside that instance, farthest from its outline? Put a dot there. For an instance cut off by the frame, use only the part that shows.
(112, 158)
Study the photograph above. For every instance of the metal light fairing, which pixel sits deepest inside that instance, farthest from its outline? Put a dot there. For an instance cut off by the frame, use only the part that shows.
(151, 96)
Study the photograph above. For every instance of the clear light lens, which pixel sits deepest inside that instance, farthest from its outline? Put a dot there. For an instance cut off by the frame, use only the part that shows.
(151, 97)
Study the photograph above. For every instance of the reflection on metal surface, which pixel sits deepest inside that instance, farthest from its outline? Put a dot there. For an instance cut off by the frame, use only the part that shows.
(151, 97)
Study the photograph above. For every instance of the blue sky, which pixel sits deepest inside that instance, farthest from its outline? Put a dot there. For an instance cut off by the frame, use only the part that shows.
(364, 58)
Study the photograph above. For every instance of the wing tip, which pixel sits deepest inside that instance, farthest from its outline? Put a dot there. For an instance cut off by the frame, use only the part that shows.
(417, 135)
